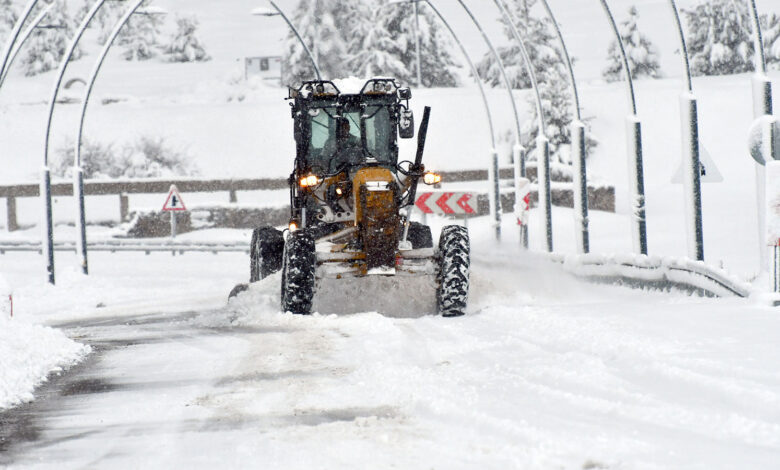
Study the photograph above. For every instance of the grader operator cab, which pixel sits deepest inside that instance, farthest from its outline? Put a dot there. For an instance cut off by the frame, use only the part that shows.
(347, 192)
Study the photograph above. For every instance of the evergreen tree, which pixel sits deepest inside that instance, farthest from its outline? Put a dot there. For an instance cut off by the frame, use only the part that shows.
(316, 22)
(376, 38)
(438, 67)
(539, 42)
(8, 18)
(641, 53)
(184, 45)
(140, 37)
(719, 38)
(385, 41)
(770, 27)
(551, 75)
(46, 46)
(375, 50)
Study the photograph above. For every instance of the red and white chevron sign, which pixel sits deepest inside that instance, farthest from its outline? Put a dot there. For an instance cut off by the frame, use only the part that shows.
(446, 203)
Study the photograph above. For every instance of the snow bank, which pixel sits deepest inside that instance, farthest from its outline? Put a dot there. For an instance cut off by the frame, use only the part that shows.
(29, 353)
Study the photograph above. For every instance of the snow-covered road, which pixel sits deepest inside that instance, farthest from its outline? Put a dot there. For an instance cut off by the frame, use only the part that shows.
(545, 372)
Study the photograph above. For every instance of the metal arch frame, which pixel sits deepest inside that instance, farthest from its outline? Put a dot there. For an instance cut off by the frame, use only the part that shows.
(567, 58)
(493, 170)
(46, 181)
(300, 39)
(623, 55)
(636, 169)
(501, 68)
(543, 162)
(691, 162)
(578, 146)
(78, 176)
(22, 39)
(517, 149)
(9, 45)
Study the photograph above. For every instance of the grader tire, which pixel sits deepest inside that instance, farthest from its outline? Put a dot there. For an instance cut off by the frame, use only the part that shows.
(298, 270)
(453, 289)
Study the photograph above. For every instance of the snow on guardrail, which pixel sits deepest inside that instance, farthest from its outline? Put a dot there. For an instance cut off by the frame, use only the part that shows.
(656, 272)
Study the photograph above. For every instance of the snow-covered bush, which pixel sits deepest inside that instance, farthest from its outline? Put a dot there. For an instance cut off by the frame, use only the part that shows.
(149, 157)
(721, 41)
(139, 37)
(184, 45)
(642, 54)
(46, 46)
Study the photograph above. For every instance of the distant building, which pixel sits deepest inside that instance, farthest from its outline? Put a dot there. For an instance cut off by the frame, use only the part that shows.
(269, 68)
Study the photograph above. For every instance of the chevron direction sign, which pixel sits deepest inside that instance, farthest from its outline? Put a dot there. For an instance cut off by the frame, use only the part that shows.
(447, 203)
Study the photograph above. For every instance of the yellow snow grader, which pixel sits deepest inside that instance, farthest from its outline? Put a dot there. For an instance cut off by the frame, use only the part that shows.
(348, 192)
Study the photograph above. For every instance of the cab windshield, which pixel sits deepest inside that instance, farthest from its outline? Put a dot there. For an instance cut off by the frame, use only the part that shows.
(324, 152)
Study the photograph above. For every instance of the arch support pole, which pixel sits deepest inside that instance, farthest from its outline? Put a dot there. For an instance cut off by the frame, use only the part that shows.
(691, 162)
(762, 106)
(634, 139)
(48, 238)
(495, 199)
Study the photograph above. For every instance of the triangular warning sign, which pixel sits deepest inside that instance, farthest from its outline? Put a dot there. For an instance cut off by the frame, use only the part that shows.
(174, 202)
(707, 169)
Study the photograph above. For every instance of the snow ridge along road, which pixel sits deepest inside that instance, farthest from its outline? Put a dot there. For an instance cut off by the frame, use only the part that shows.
(544, 372)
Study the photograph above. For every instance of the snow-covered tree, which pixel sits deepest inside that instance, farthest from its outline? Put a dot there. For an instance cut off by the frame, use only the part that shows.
(375, 37)
(47, 46)
(720, 37)
(317, 23)
(375, 51)
(139, 38)
(551, 75)
(8, 18)
(539, 41)
(384, 44)
(184, 45)
(770, 27)
(642, 54)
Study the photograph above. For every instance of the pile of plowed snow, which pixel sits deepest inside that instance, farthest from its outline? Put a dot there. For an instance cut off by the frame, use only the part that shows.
(29, 353)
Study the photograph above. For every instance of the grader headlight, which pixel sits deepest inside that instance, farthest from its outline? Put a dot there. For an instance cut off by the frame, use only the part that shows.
(309, 181)
(431, 178)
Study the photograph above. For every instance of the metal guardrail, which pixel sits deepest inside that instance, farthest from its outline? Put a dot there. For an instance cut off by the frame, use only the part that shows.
(115, 246)
(655, 273)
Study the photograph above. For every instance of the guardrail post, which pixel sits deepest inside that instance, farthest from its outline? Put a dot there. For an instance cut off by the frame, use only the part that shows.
(124, 207)
(10, 205)
(233, 196)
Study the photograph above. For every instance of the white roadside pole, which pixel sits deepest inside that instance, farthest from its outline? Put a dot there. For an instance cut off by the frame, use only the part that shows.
(765, 149)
